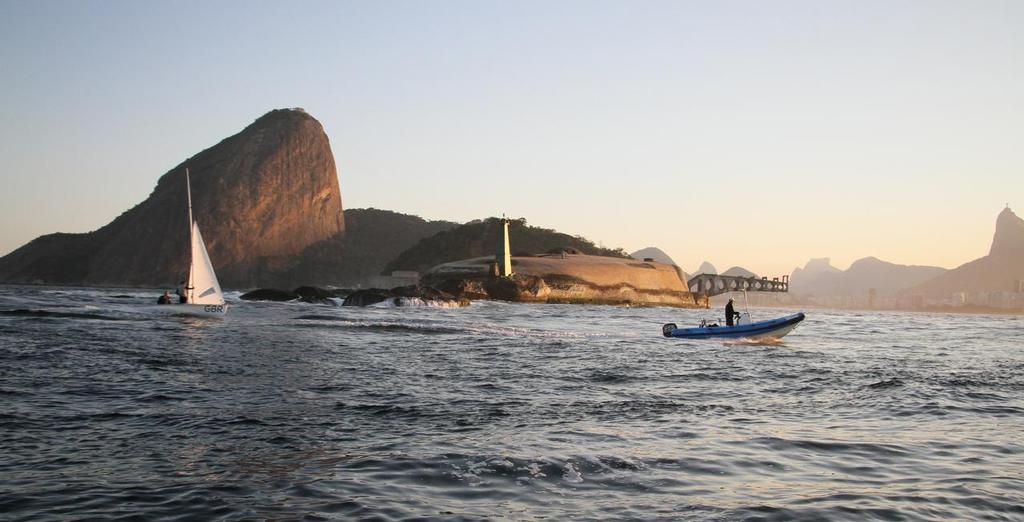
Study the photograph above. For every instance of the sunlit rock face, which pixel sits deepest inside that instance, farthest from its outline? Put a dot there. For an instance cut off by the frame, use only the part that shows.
(260, 197)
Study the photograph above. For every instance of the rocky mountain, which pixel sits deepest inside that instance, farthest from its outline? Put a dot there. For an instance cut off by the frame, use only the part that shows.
(480, 238)
(998, 271)
(803, 280)
(1009, 237)
(654, 253)
(706, 268)
(260, 197)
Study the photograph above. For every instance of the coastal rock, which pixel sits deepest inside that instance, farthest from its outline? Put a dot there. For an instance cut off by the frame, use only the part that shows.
(269, 294)
(306, 294)
(312, 294)
(260, 197)
(471, 289)
(520, 288)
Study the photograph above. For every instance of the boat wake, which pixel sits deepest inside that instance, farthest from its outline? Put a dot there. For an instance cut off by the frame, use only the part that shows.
(747, 341)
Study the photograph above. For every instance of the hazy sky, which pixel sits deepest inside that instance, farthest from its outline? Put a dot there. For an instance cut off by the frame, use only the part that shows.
(746, 133)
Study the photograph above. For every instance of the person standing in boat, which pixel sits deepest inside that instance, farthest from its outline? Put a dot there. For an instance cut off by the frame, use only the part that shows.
(730, 313)
(182, 296)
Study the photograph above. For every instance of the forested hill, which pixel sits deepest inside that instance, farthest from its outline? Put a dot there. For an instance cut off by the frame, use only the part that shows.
(373, 238)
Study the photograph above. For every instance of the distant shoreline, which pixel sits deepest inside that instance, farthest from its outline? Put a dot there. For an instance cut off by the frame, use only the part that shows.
(969, 310)
(965, 310)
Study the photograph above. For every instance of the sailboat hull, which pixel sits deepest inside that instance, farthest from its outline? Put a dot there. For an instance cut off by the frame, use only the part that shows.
(195, 310)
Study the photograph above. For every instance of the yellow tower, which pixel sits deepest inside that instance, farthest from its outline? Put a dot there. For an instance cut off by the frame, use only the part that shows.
(504, 257)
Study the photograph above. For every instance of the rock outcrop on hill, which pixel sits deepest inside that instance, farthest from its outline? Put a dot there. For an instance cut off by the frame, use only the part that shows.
(999, 271)
(260, 197)
(654, 253)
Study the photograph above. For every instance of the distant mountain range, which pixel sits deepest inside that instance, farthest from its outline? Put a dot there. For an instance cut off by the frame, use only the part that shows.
(739, 271)
(804, 280)
(818, 277)
(1000, 270)
(736, 271)
(654, 253)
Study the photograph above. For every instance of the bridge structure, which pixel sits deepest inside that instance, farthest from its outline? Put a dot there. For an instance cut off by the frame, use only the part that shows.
(714, 284)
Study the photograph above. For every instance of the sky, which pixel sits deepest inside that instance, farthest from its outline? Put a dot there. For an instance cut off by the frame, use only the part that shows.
(750, 133)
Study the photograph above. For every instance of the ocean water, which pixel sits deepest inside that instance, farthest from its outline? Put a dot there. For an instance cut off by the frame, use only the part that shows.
(290, 411)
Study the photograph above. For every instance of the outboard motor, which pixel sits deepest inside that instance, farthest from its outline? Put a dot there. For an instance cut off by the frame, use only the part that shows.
(667, 329)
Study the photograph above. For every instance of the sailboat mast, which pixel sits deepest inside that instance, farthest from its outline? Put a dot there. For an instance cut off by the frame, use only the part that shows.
(191, 254)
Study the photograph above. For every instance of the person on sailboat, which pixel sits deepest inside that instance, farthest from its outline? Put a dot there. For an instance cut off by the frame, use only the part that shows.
(165, 299)
(182, 296)
(730, 313)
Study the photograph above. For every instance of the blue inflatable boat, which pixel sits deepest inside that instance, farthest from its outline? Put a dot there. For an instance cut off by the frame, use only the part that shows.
(773, 328)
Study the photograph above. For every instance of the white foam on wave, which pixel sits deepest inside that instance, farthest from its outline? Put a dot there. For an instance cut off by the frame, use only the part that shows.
(399, 302)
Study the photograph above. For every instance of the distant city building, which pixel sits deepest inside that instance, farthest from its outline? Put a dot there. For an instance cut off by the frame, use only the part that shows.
(917, 301)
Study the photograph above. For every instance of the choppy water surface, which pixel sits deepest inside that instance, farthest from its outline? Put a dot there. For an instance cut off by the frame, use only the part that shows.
(289, 411)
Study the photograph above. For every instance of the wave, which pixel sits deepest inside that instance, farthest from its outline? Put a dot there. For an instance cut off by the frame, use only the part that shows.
(58, 315)
(341, 322)
(402, 302)
(465, 329)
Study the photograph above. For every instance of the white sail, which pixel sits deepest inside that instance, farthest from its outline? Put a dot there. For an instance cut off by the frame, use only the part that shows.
(205, 288)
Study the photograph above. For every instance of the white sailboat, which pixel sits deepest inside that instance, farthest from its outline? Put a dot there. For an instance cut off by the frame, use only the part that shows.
(204, 296)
